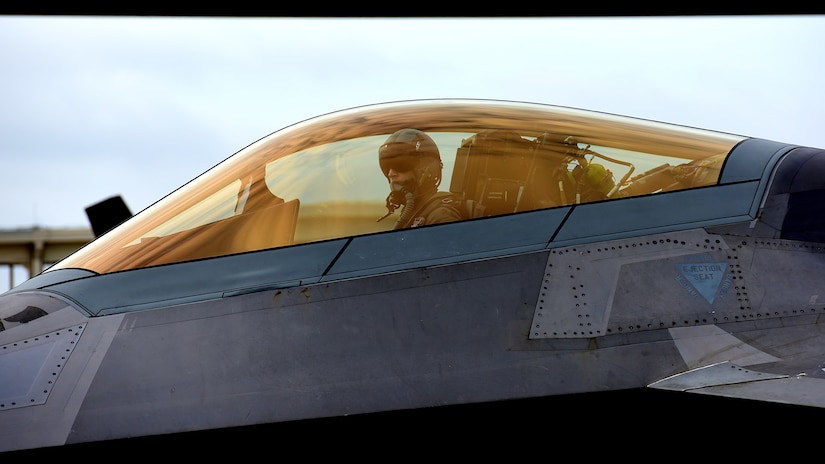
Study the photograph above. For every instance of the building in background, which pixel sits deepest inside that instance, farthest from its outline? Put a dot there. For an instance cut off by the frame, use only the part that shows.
(27, 252)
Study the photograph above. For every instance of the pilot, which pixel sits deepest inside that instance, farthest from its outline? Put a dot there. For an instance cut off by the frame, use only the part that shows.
(412, 165)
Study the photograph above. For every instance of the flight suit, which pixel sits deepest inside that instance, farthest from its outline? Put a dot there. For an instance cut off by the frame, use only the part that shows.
(437, 208)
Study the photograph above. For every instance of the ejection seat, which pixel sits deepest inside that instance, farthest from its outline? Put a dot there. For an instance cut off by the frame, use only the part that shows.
(500, 172)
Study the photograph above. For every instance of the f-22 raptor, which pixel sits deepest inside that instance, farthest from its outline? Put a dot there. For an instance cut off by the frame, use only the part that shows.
(421, 254)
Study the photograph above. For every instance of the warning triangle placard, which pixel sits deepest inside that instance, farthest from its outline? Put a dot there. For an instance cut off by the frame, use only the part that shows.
(705, 277)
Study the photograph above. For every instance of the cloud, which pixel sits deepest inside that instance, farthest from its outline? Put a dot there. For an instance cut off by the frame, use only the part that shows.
(96, 106)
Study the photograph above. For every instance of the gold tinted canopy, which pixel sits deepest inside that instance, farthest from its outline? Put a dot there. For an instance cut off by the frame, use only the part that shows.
(320, 179)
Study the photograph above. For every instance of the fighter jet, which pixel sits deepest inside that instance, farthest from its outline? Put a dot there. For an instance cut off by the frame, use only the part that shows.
(418, 255)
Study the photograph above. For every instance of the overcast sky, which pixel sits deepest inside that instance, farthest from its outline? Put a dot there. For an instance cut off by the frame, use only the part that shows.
(136, 106)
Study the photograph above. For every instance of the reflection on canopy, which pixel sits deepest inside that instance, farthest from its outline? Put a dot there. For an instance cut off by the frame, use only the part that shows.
(320, 179)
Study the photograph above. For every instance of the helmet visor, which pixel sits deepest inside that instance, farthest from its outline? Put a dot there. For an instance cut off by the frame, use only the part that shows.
(397, 164)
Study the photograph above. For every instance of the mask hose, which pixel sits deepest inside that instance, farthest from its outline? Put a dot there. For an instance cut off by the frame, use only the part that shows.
(406, 213)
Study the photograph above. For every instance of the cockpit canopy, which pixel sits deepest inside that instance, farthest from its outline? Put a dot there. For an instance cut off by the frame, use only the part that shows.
(320, 179)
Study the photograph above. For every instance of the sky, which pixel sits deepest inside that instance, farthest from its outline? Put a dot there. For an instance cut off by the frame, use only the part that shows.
(136, 106)
(97, 106)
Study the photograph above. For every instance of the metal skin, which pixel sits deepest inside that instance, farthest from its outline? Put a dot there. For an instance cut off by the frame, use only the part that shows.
(714, 290)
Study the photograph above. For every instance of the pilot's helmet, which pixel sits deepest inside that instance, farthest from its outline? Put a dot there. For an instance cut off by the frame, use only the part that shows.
(411, 150)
